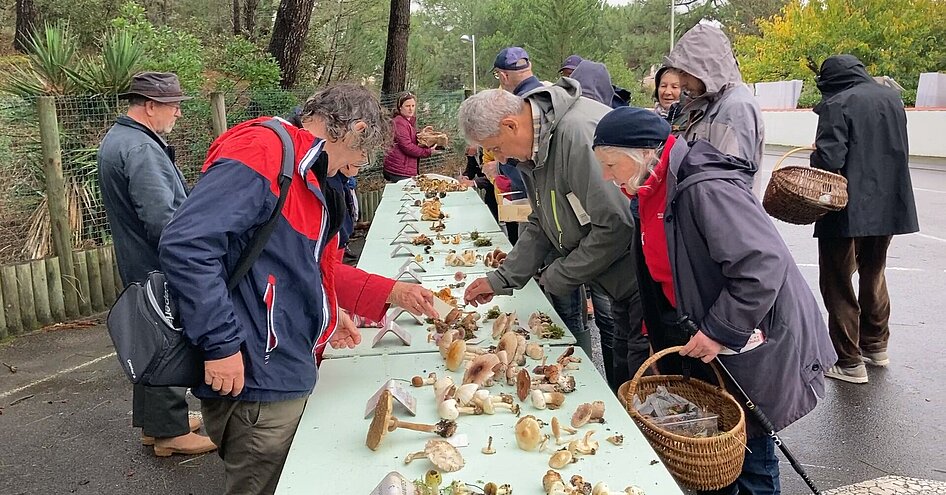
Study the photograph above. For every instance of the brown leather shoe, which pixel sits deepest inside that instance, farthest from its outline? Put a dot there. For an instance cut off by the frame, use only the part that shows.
(195, 422)
(188, 444)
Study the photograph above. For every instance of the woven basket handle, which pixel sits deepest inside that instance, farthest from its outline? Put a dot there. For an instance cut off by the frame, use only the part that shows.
(656, 357)
(791, 152)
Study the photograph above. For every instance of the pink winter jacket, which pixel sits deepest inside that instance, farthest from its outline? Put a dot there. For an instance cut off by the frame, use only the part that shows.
(401, 158)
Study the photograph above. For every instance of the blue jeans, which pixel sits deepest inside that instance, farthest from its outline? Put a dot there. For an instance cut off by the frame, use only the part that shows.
(759, 471)
(570, 308)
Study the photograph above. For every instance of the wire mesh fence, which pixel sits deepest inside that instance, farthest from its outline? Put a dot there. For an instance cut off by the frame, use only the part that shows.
(83, 122)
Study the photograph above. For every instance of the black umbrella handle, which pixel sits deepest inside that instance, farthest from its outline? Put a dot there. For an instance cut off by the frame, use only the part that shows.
(690, 327)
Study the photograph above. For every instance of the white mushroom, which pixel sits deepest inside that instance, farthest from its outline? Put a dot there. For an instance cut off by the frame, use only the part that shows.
(561, 459)
(441, 454)
(465, 393)
(441, 386)
(448, 409)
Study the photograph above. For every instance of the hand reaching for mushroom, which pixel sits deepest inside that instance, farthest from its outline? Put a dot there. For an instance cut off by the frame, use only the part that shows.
(413, 298)
(479, 292)
(225, 375)
(346, 334)
(701, 347)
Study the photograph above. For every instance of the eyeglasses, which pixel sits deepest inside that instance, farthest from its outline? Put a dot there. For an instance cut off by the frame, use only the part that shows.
(496, 74)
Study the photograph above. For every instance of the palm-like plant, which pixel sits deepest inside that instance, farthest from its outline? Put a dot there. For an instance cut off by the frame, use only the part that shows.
(85, 90)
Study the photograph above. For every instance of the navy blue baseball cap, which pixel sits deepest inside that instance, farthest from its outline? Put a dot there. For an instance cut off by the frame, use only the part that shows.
(512, 58)
(631, 127)
(571, 62)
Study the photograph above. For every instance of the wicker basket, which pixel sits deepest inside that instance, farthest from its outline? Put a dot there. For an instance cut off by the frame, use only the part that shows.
(801, 195)
(697, 463)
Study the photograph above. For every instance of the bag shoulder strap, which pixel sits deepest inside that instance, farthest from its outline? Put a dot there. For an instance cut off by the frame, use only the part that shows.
(258, 242)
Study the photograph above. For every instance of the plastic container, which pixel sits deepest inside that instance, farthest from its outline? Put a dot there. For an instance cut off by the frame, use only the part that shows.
(698, 424)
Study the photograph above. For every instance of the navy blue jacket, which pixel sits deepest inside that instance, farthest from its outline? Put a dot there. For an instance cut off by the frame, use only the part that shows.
(279, 311)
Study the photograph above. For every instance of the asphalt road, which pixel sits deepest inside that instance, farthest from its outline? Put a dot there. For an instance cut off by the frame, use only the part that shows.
(65, 414)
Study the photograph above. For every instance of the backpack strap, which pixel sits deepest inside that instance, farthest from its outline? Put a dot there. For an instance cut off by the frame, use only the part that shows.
(261, 236)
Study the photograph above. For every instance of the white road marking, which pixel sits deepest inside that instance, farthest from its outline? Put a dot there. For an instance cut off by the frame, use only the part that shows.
(927, 236)
(54, 375)
(929, 190)
(893, 268)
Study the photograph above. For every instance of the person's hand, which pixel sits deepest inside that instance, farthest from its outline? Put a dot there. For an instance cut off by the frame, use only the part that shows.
(491, 169)
(466, 182)
(346, 333)
(471, 150)
(701, 347)
(225, 376)
(435, 151)
(413, 298)
(479, 292)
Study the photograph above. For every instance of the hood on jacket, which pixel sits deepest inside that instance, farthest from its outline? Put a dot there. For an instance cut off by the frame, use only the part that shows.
(839, 73)
(595, 81)
(699, 160)
(557, 99)
(705, 53)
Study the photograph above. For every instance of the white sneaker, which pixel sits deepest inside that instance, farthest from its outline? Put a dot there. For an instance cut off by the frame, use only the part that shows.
(876, 358)
(854, 374)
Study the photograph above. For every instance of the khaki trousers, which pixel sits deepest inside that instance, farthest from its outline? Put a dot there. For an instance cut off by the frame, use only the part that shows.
(253, 440)
(857, 321)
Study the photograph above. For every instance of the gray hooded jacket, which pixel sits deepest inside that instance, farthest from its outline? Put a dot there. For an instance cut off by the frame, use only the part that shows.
(595, 82)
(732, 274)
(579, 221)
(727, 115)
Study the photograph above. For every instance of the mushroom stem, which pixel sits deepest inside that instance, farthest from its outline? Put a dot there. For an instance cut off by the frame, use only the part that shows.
(489, 447)
(444, 428)
(419, 381)
(415, 455)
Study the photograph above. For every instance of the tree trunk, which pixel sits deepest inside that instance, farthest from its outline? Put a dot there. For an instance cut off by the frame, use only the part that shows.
(237, 26)
(395, 58)
(289, 33)
(250, 8)
(27, 19)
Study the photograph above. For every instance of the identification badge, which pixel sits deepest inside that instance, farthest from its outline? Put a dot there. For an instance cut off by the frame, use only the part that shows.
(580, 213)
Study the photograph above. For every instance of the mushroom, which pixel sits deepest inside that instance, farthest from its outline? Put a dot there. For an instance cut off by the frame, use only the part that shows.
(632, 490)
(529, 436)
(499, 325)
(491, 404)
(551, 400)
(553, 483)
(582, 487)
(561, 459)
(508, 342)
(452, 316)
(480, 369)
(582, 415)
(492, 489)
(384, 422)
(448, 410)
(446, 340)
(565, 385)
(616, 439)
(567, 358)
(535, 351)
(586, 445)
(443, 388)
(419, 381)
(523, 384)
(465, 393)
(597, 412)
(441, 453)
(601, 488)
(511, 372)
(520, 357)
(488, 449)
(455, 355)
(557, 430)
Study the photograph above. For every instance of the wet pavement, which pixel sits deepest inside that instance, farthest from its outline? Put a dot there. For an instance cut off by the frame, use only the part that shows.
(65, 414)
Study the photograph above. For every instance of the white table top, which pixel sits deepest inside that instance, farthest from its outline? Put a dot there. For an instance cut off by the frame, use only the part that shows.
(328, 454)
(376, 255)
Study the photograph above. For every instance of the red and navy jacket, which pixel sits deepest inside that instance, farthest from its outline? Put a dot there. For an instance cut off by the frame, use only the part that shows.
(286, 305)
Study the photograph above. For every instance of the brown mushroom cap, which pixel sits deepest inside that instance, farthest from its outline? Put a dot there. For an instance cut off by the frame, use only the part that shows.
(379, 424)
(452, 316)
(597, 409)
(565, 355)
(508, 343)
(480, 369)
(523, 384)
(581, 416)
(561, 459)
(455, 354)
(446, 340)
(554, 400)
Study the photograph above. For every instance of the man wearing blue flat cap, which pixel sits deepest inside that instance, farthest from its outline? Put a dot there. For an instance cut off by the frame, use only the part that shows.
(514, 71)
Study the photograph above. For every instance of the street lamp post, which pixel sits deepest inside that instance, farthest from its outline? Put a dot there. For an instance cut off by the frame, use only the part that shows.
(470, 38)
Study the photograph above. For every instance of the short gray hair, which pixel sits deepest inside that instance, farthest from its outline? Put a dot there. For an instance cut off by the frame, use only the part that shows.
(481, 113)
(639, 155)
(341, 106)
